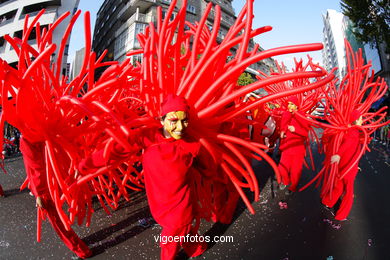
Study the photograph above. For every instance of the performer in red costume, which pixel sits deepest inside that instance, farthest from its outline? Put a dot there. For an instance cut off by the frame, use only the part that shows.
(293, 133)
(167, 160)
(343, 187)
(34, 161)
(347, 133)
(83, 116)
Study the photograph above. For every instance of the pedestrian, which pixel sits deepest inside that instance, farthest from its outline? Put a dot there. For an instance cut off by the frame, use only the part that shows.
(293, 133)
(34, 162)
(167, 160)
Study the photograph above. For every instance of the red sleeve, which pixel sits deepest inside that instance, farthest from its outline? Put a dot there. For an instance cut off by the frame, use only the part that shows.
(350, 143)
(286, 118)
(203, 162)
(116, 152)
(34, 162)
(302, 127)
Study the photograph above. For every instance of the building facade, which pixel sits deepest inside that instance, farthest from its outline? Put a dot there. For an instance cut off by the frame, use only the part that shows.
(333, 53)
(77, 63)
(119, 21)
(12, 14)
(336, 28)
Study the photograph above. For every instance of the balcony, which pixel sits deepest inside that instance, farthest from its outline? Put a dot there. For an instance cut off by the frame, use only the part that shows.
(50, 14)
(143, 3)
(6, 21)
(4, 3)
(131, 7)
(137, 17)
(227, 23)
(225, 7)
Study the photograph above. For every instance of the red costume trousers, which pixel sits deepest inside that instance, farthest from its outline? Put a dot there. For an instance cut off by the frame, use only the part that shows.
(169, 250)
(34, 162)
(69, 237)
(1, 191)
(225, 202)
(290, 168)
(343, 189)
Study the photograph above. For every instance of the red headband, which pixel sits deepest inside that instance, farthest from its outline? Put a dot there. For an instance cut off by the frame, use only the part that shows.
(173, 103)
(293, 99)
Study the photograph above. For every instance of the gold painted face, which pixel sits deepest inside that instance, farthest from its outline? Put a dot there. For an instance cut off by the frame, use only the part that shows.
(359, 121)
(291, 107)
(174, 124)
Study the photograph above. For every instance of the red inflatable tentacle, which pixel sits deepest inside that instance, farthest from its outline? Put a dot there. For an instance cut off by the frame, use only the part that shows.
(240, 66)
(64, 42)
(207, 112)
(238, 188)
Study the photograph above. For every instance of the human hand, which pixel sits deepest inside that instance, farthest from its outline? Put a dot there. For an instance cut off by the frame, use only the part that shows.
(291, 128)
(282, 135)
(39, 202)
(335, 158)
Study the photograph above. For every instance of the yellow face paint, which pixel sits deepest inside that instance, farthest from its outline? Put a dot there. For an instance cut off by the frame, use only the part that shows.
(359, 121)
(175, 124)
(291, 107)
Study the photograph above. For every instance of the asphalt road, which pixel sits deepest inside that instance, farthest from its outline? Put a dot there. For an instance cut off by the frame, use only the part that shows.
(283, 228)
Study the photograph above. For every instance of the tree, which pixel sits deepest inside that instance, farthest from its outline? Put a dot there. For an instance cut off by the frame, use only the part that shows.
(245, 79)
(372, 19)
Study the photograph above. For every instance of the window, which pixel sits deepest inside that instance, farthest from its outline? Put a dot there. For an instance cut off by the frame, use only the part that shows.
(191, 9)
(139, 28)
(121, 42)
(164, 13)
(137, 57)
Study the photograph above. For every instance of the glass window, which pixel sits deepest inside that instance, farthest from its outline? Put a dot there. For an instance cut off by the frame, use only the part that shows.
(191, 9)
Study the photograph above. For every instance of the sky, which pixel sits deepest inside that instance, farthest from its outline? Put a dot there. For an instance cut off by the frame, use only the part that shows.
(293, 22)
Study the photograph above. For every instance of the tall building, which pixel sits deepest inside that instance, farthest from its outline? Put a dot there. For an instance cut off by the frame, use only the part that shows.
(119, 21)
(12, 14)
(336, 28)
(77, 63)
(333, 53)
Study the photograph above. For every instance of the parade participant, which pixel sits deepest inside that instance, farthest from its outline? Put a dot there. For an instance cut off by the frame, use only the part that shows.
(167, 160)
(293, 133)
(346, 154)
(34, 161)
(82, 117)
(347, 132)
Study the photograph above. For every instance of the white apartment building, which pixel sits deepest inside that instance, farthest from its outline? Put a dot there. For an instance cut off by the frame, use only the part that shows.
(333, 54)
(12, 14)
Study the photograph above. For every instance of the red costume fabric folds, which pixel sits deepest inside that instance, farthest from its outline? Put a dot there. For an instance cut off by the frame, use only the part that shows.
(293, 148)
(34, 161)
(343, 187)
(167, 173)
(116, 116)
